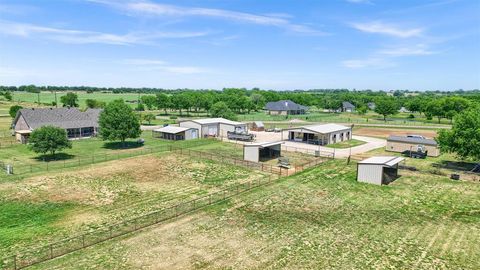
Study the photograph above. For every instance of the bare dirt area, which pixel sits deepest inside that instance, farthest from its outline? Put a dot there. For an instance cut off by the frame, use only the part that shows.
(385, 132)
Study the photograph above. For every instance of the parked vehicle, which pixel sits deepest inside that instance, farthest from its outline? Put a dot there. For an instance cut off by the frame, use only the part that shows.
(240, 136)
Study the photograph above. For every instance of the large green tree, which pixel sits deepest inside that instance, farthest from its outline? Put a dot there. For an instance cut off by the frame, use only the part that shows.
(221, 109)
(14, 109)
(464, 137)
(162, 102)
(70, 99)
(49, 139)
(149, 101)
(386, 106)
(118, 122)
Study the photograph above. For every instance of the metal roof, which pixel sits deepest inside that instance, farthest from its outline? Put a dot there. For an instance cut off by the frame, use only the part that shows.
(59, 117)
(172, 129)
(284, 105)
(263, 144)
(324, 128)
(259, 123)
(413, 140)
(216, 121)
(382, 160)
(347, 104)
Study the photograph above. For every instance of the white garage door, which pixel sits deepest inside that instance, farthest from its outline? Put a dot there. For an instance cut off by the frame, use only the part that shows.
(212, 130)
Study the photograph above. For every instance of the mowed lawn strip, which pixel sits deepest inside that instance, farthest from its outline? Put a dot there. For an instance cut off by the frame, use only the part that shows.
(321, 218)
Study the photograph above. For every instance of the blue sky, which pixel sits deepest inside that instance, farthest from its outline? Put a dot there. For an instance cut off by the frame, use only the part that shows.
(272, 44)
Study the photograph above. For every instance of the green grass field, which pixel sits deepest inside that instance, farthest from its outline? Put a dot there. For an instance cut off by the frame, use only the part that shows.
(319, 219)
(47, 207)
(346, 144)
(49, 97)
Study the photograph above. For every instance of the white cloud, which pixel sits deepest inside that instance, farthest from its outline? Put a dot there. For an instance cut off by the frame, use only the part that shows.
(160, 65)
(367, 63)
(162, 10)
(419, 49)
(87, 37)
(377, 27)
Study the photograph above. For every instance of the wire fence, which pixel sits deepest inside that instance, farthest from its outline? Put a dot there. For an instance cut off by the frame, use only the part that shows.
(20, 167)
(56, 249)
(340, 119)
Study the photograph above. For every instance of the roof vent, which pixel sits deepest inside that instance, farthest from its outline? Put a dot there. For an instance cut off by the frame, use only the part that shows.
(286, 103)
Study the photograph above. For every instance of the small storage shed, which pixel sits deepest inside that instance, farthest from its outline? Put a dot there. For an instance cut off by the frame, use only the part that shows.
(175, 133)
(262, 151)
(412, 143)
(258, 126)
(380, 170)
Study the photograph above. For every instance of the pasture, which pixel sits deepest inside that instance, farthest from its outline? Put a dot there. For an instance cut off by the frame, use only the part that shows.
(321, 218)
(46, 207)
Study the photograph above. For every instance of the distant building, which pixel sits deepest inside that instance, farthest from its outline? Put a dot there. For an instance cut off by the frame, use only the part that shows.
(371, 106)
(76, 123)
(412, 143)
(347, 107)
(285, 107)
(404, 110)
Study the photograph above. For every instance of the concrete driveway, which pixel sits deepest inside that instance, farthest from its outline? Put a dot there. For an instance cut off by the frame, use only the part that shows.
(371, 143)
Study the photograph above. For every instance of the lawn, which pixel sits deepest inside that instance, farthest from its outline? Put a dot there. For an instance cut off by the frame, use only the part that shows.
(346, 144)
(49, 207)
(318, 219)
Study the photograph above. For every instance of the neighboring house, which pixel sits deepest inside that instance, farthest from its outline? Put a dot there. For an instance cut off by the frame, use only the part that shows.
(214, 127)
(285, 107)
(319, 134)
(371, 106)
(347, 107)
(76, 123)
(379, 170)
(412, 143)
(175, 133)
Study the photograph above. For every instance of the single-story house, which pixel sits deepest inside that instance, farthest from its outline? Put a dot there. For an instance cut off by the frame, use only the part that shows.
(412, 143)
(175, 133)
(347, 107)
(214, 127)
(319, 134)
(285, 107)
(403, 110)
(258, 126)
(262, 151)
(380, 170)
(371, 105)
(77, 124)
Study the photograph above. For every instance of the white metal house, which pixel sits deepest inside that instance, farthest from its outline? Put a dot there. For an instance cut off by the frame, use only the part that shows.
(319, 134)
(175, 133)
(214, 127)
(379, 170)
(262, 151)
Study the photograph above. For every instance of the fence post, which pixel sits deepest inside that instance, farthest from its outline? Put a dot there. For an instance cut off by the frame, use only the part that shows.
(51, 251)
(30, 167)
(15, 262)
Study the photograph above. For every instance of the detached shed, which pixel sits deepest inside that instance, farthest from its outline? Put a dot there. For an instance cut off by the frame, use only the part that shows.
(175, 133)
(258, 126)
(412, 143)
(262, 151)
(380, 170)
